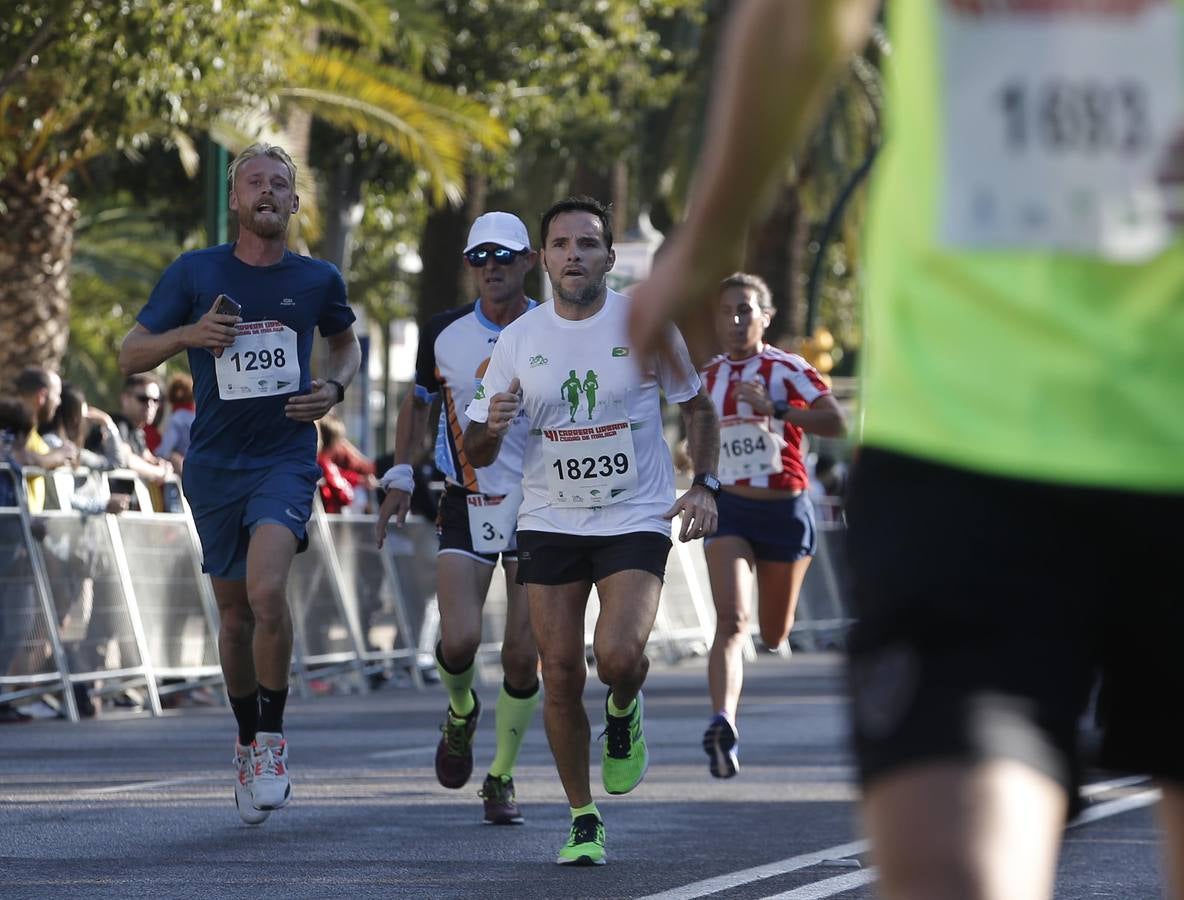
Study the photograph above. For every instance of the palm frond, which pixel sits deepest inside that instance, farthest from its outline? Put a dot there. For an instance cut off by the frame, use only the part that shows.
(431, 127)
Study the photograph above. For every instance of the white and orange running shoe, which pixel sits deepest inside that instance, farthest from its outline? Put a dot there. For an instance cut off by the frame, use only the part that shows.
(270, 786)
(244, 777)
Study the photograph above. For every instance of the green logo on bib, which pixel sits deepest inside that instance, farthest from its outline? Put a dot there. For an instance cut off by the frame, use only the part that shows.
(620, 351)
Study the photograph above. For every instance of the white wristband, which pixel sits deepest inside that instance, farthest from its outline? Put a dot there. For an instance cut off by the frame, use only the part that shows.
(398, 478)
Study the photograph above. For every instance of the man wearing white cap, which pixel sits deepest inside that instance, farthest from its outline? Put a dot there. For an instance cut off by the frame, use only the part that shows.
(478, 512)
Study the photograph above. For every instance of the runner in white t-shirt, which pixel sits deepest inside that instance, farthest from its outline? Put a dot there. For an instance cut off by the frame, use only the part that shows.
(598, 488)
(476, 521)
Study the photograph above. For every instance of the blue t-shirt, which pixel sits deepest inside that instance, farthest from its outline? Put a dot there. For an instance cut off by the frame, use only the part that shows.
(301, 293)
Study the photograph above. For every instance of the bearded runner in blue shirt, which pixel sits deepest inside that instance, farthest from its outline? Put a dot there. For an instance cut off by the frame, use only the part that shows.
(251, 470)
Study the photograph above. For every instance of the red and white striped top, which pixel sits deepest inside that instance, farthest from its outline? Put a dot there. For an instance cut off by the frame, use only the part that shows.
(786, 376)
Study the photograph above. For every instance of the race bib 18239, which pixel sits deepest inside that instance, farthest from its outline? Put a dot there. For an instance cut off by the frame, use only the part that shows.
(590, 466)
(1055, 123)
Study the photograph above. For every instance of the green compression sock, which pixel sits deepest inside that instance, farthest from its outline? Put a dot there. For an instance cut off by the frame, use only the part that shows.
(514, 713)
(458, 684)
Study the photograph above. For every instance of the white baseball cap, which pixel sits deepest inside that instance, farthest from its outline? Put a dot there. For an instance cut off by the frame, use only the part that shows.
(501, 228)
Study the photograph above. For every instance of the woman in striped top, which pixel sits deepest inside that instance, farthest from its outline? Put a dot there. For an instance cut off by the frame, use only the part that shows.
(766, 399)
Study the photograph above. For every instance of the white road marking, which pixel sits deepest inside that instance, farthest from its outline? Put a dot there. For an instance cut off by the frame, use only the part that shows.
(145, 785)
(406, 751)
(1115, 807)
(771, 870)
(828, 887)
(1098, 787)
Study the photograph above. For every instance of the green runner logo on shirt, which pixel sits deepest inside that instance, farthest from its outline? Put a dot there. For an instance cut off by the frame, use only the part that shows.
(572, 388)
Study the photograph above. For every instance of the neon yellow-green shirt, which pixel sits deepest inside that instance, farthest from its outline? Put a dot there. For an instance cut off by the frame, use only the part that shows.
(1050, 355)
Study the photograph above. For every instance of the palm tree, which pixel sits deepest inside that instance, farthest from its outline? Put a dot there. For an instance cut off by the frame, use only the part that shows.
(81, 78)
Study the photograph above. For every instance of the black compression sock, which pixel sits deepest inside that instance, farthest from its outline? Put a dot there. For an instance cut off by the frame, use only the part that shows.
(271, 709)
(246, 713)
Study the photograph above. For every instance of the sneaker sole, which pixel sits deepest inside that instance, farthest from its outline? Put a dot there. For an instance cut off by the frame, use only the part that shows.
(582, 861)
(517, 820)
(255, 819)
(280, 805)
(718, 744)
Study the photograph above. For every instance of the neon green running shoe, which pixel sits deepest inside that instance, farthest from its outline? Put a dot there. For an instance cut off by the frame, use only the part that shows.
(624, 759)
(585, 842)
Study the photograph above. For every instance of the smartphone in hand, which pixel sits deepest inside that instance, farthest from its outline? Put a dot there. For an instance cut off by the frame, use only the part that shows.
(227, 307)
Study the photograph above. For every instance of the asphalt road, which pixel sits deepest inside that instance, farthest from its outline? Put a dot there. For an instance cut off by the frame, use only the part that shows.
(131, 806)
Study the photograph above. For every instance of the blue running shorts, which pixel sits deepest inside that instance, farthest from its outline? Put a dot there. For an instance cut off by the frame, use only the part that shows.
(778, 530)
(229, 504)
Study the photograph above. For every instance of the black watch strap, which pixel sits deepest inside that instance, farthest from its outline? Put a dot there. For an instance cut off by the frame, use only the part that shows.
(340, 388)
(780, 407)
(707, 480)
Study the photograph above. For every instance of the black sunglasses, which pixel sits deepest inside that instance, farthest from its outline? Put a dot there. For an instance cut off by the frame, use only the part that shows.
(503, 257)
(144, 398)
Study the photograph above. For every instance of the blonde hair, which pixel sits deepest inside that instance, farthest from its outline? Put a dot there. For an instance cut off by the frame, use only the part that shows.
(272, 151)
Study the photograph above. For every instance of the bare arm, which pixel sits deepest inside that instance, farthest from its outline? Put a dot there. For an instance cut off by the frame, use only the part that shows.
(699, 515)
(410, 427)
(702, 425)
(824, 416)
(483, 440)
(345, 356)
(778, 60)
(144, 350)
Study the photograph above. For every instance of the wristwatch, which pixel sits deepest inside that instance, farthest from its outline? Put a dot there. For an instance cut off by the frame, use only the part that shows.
(340, 389)
(708, 481)
(780, 408)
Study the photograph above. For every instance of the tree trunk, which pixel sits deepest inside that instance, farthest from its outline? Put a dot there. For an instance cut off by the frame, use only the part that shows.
(36, 244)
(443, 283)
(774, 253)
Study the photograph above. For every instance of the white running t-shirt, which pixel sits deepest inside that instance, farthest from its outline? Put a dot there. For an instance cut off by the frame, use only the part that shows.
(596, 460)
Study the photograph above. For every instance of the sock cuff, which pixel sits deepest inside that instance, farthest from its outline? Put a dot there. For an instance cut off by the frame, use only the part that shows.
(443, 665)
(584, 810)
(529, 694)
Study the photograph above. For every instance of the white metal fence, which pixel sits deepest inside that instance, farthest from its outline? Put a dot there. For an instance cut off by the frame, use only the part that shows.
(110, 604)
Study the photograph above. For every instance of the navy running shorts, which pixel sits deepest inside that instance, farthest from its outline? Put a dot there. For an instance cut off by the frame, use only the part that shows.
(229, 504)
(987, 607)
(778, 530)
(546, 557)
(452, 528)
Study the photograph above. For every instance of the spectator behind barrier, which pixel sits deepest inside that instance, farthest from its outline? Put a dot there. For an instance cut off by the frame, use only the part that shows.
(15, 425)
(336, 492)
(41, 392)
(174, 442)
(139, 401)
(73, 420)
(354, 467)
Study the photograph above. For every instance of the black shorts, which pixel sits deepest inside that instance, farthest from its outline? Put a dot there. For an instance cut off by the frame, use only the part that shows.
(548, 558)
(986, 608)
(452, 528)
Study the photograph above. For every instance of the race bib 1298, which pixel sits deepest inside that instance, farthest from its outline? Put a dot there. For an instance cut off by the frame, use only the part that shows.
(262, 361)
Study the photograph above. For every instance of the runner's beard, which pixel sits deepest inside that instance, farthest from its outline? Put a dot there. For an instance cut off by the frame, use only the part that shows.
(585, 296)
(269, 226)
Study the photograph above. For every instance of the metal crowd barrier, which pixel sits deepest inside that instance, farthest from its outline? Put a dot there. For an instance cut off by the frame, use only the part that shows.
(116, 604)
